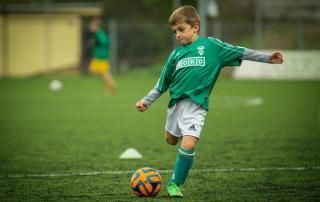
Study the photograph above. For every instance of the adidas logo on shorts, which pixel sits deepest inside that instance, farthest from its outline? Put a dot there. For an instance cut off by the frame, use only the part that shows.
(192, 127)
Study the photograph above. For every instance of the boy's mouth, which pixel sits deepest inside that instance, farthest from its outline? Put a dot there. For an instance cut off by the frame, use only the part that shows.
(180, 40)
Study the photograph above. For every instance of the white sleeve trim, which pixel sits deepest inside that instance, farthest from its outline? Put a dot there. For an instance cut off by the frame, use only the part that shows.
(152, 96)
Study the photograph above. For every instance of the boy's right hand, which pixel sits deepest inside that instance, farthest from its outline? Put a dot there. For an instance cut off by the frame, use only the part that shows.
(141, 106)
(276, 58)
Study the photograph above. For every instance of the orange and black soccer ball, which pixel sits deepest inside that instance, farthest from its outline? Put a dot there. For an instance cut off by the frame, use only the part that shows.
(146, 182)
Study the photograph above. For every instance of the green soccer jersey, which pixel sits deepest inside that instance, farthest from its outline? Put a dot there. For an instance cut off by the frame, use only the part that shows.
(101, 45)
(192, 70)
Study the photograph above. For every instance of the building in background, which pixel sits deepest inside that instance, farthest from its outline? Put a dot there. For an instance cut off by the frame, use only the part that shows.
(37, 39)
(140, 35)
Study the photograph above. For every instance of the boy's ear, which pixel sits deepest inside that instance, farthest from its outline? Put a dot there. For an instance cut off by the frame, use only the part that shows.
(196, 28)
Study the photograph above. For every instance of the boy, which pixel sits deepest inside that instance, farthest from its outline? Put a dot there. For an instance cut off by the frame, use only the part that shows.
(190, 74)
(100, 64)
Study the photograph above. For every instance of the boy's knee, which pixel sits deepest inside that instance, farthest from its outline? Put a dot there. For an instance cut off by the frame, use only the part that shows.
(188, 142)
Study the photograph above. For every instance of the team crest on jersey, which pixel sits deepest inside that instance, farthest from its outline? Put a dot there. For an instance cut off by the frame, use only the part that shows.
(200, 50)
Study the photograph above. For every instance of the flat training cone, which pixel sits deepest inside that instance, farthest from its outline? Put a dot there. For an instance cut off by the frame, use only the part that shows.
(130, 153)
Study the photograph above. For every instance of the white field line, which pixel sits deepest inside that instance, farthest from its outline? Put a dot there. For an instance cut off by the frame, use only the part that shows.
(118, 172)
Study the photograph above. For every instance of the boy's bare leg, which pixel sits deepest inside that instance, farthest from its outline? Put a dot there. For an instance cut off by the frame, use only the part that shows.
(188, 141)
(107, 77)
(171, 139)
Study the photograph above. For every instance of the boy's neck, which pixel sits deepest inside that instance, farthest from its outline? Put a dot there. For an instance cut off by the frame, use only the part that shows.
(195, 38)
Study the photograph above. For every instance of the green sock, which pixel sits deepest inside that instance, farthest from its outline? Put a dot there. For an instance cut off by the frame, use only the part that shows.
(182, 166)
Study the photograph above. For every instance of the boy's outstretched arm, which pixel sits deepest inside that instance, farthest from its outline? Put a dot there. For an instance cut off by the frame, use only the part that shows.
(252, 55)
(152, 96)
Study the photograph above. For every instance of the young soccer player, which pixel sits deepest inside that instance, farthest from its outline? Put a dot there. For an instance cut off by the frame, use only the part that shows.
(100, 63)
(190, 74)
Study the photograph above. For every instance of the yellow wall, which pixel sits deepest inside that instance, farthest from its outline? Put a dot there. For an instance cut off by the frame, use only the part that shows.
(1, 45)
(37, 43)
(26, 49)
(65, 41)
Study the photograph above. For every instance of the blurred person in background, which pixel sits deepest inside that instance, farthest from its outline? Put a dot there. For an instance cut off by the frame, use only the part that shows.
(100, 62)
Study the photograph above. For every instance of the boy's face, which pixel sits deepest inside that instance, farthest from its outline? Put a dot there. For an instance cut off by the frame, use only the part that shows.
(93, 26)
(185, 33)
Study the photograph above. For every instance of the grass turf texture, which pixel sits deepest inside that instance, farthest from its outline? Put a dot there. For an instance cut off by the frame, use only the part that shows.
(83, 129)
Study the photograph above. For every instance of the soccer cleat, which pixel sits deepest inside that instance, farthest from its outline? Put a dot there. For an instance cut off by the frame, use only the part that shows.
(174, 190)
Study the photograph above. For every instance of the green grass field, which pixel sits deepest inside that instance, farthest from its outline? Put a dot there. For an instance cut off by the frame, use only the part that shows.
(272, 126)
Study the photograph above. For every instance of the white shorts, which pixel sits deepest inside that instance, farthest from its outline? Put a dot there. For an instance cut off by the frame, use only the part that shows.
(185, 118)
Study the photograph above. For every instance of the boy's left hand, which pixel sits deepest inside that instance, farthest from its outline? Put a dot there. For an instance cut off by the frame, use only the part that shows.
(276, 58)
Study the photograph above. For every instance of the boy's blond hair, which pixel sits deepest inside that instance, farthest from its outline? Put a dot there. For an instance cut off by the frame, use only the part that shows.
(185, 14)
